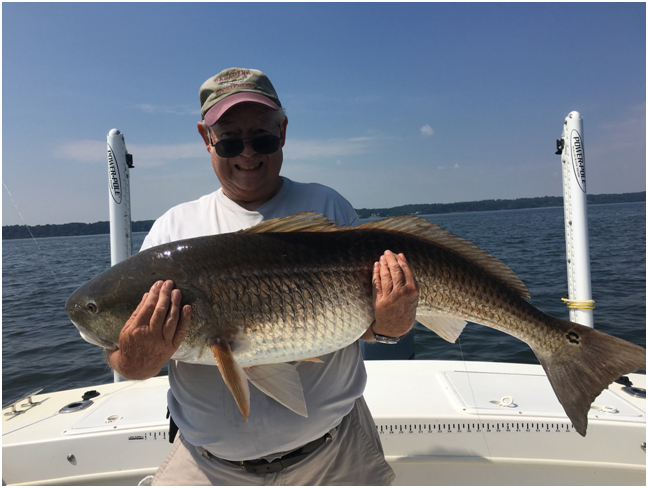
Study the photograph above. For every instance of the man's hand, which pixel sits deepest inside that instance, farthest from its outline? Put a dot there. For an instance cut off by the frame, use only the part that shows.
(152, 334)
(395, 297)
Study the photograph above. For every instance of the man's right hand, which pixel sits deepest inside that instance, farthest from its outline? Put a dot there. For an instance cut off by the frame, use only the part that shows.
(152, 334)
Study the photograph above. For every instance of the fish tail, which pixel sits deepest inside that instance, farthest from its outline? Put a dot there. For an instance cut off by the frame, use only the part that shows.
(583, 364)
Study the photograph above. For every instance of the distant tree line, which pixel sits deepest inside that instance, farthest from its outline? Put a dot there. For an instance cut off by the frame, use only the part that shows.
(72, 229)
(81, 229)
(485, 205)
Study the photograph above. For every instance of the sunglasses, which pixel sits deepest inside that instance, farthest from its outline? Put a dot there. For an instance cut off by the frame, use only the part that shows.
(230, 148)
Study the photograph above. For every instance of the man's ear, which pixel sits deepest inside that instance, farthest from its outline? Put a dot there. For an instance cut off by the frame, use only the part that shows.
(284, 124)
(203, 131)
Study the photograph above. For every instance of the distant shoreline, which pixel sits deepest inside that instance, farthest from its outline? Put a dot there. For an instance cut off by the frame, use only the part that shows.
(81, 229)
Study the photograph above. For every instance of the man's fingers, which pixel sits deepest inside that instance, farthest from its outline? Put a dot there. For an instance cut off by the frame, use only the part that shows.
(392, 273)
(386, 274)
(377, 284)
(395, 268)
(183, 326)
(395, 271)
(407, 271)
(140, 305)
(133, 320)
(151, 300)
(162, 304)
(171, 321)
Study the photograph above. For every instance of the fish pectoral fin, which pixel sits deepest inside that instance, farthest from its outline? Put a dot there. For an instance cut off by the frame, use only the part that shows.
(448, 328)
(232, 374)
(281, 382)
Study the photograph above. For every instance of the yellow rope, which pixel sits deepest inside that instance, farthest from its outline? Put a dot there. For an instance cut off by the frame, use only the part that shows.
(581, 304)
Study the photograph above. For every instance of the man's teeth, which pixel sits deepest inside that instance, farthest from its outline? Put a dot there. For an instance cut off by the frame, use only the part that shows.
(248, 168)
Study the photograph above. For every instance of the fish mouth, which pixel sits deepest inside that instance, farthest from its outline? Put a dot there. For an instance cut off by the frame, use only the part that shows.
(97, 341)
(248, 168)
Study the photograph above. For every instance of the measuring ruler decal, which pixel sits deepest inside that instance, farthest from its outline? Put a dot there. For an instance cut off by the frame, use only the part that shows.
(474, 427)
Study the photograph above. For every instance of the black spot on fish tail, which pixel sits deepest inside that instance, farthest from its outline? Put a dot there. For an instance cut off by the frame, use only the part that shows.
(579, 374)
(573, 337)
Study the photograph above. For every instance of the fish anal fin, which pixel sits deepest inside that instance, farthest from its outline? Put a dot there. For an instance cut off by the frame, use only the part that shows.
(584, 365)
(232, 374)
(281, 382)
(448, 328)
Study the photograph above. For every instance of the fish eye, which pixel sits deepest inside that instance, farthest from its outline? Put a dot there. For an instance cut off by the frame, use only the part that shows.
(92, 307)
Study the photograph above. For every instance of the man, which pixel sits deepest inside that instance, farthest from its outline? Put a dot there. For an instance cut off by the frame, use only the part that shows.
(244, 131)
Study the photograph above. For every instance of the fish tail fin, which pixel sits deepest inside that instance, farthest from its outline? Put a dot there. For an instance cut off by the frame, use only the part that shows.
(584, 365)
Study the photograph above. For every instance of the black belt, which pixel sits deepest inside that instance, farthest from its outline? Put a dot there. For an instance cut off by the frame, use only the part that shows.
(261, 466)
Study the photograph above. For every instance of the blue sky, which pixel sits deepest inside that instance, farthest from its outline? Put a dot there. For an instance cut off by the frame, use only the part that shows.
(388, 103)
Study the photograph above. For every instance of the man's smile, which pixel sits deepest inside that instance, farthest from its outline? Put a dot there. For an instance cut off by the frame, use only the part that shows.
(248, 168)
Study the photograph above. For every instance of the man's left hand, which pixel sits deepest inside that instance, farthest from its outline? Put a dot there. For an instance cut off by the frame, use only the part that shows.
(395, 297)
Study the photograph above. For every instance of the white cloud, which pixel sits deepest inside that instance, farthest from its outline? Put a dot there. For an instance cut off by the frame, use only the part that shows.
(328, 148)
(149, 155)
(427, 131)
(144, 155)
(165, 109)
(83, 151)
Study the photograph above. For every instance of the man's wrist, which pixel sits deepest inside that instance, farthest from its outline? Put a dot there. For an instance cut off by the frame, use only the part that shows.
(384, 339)
(116, 361)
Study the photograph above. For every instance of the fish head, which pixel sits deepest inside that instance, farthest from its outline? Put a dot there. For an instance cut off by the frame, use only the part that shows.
(100, 308)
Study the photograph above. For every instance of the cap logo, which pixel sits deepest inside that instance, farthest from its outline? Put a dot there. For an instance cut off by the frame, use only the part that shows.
(233, 75)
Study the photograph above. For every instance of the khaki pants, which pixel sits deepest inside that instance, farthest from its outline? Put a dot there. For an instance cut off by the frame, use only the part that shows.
(353, 456)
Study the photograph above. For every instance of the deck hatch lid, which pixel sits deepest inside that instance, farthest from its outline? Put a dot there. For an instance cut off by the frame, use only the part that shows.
(524, 394)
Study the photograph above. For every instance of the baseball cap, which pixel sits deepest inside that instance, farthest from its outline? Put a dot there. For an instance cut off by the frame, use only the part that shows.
(235, 85)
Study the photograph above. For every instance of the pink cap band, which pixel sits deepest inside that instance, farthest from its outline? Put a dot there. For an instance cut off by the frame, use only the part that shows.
(215, 113)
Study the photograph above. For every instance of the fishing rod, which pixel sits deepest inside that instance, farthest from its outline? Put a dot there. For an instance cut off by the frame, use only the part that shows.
(31, 234)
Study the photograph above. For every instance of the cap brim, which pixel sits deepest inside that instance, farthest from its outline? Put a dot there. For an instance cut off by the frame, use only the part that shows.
(216, 112)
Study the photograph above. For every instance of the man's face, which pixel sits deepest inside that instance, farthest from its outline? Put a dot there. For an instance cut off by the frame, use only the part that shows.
(250, 179)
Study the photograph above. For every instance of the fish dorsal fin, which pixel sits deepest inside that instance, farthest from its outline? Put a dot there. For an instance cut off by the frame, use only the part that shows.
(301, 222)
(422, 228)
(409, 224)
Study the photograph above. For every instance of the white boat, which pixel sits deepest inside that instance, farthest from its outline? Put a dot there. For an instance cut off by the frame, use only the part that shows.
(440, 422)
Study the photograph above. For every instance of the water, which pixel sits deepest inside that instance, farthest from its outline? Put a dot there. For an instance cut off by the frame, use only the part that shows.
(41, 348)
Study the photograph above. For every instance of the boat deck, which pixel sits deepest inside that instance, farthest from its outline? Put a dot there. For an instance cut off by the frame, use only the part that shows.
(441, 423)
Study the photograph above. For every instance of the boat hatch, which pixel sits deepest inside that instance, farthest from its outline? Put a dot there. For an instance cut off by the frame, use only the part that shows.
(524, 394)
(125, 409)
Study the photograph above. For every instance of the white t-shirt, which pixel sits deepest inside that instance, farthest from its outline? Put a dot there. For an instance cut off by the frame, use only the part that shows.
(200, 402)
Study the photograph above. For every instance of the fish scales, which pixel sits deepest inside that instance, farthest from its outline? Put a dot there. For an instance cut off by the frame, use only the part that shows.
(288, 296)
(299, 287)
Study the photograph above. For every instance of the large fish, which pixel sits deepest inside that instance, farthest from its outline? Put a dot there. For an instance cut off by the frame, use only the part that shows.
(298, 287)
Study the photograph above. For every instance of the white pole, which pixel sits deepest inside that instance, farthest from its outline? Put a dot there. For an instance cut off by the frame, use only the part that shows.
(119, 201)
(580, 301)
